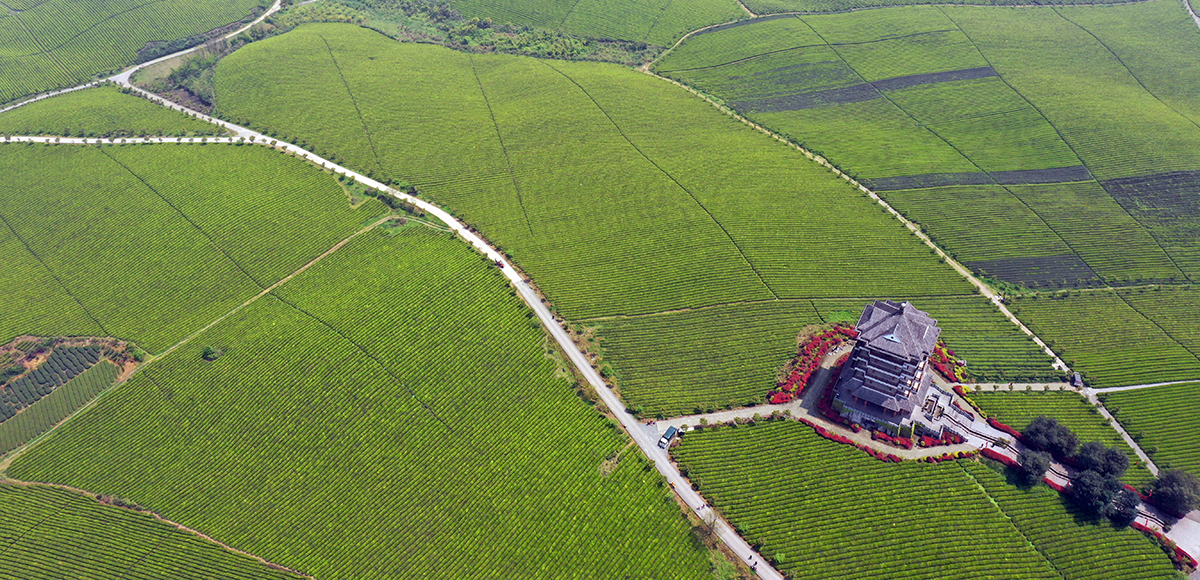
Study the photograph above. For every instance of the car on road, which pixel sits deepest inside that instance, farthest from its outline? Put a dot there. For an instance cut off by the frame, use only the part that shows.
(665, 440)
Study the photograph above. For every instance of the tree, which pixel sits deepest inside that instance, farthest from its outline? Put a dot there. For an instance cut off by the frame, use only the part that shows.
(1125, 507)
(211, 354)
(1176, 491)
(1046, 434)
(1033, 465)
(1108, 462)
(1094, 492)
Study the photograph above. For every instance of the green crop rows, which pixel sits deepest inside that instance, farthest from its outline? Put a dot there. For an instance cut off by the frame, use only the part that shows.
(1018, 408)
(586, 173)
(397, 392)
(1050, 223)
(1120, 338)
(50, 533)
(1076, 545)
(825, 510)
(100, 112)
(54, 44)
(773, 6)
(659, 22)
(1158, 418)
(56, 406)
(63, 364)
(151, 240)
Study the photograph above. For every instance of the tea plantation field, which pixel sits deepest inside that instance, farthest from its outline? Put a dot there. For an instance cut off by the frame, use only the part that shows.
(962, 115)
(41, 416)
(100, 112)
(657, 22)
(817, 6)
(54, 533)
(52, 44)
(150, 243)
(586, 173)
(1076, 545)
(1161, 418)
(825, 510)
(397, 393)
(1017, 408)
(1121, 338)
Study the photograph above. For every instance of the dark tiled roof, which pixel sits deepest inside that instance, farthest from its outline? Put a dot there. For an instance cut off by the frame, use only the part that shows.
(899, 329)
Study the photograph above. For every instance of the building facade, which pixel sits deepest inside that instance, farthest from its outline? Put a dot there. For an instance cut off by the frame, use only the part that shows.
(887, 382)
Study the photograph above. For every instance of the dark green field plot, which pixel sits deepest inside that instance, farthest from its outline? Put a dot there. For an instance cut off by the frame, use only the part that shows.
(1076, 545)
(1164, 421)
(620, 195)
(397, 393)
(826, 510)
(149, 243)
(1121, 338)
(53, 533)
(1018, 408)
(47, 412)
(962, 116)
(52, 44)
(100, 112)
(658, 22)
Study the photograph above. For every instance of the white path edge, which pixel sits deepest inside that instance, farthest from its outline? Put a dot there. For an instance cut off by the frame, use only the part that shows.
(636, 430)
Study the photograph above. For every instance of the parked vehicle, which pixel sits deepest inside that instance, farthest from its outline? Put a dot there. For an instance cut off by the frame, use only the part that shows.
(667, 437)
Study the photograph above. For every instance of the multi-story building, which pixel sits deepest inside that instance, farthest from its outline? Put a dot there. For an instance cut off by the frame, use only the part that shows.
(887, 378)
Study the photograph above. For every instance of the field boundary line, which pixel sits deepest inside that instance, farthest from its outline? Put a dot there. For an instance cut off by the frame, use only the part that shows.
(1010, 520)
(1042, 114)
(504, 148)
(354, 101)
(668, 176)
(202, 231)
(814, 300)
(1143, 386)
(174, 524)
(1157, 325)
(928, 127)
(983, 288)
(1132, 75)
(269, 289)
(61, 284)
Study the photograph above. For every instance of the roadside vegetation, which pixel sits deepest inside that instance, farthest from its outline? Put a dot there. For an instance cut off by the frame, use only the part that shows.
(101, 112)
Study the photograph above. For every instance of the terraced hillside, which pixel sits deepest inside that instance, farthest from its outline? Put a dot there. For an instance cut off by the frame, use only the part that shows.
(825, 510)
(1014, 118)
(52, 44)
(586, 174)
(53, 533)
(150, 243)
(429, 425)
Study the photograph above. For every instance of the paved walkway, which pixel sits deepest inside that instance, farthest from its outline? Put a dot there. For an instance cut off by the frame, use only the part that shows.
(1136, 387)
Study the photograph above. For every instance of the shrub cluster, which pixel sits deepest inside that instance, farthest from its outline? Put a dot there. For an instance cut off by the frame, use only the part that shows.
(807, 361)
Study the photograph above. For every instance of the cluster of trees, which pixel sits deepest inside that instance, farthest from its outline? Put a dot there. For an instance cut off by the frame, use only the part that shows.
(1097, 487)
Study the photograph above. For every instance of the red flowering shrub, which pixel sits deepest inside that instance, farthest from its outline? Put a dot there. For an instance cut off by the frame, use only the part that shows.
(808, 359)
(777, 398)
(994, 455)
(1001, 426)
(943, 361)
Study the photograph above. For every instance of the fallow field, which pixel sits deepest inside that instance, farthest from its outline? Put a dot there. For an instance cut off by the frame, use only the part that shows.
(587, 174)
